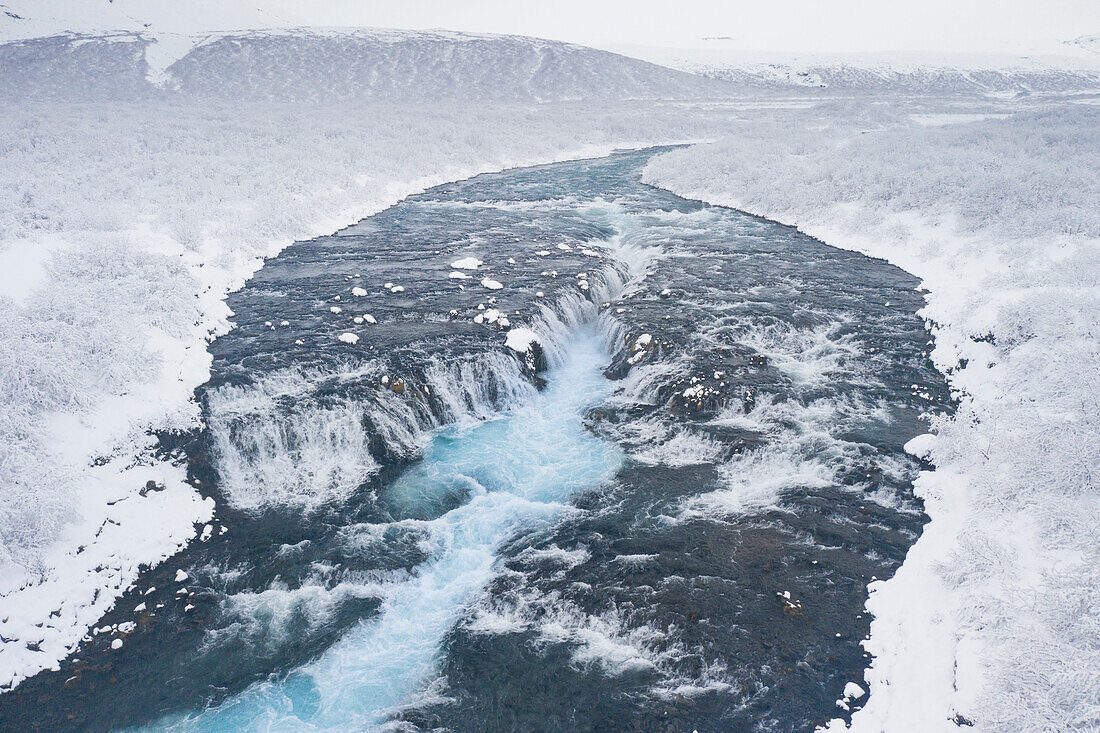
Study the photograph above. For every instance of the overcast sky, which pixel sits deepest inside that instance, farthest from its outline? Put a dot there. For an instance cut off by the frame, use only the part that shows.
(764, 25)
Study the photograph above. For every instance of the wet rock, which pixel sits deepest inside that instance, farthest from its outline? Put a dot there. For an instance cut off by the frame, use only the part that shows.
(150, 485)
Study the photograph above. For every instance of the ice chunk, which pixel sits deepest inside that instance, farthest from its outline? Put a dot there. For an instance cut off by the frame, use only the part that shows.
(348, 338)
(852, 691)
(181, 576)
(456, 275)
(358, 292)
(467, 263)
(491, 284)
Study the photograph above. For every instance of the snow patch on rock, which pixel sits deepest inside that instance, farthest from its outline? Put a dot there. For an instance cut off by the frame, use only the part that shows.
(520, 339)
(466, 263)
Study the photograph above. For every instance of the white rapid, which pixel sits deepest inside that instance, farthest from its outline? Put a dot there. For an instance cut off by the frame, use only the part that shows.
(513, 472)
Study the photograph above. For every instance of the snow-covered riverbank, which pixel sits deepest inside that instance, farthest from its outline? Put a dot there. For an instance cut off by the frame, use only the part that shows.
(156, 213)
(124, 224)
(993, 617)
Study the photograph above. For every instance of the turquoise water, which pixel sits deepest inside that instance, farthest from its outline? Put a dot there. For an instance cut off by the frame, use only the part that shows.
(500, 476)
(767, 428)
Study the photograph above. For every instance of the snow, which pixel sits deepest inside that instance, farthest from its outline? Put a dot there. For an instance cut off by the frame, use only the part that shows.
(23, 267)
(999, 217)
(109, 342)
(358, 292)
(466, 263)
(112, 281)
(492, 315)
(1061, 70)
(921, 446)
(181, 577)
(520, 339)
(200, 55)
(348, 338)
(490, 283)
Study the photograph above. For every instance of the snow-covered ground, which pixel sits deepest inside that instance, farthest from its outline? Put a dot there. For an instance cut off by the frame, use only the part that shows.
(130, 209)
(995, 616)
(1068, 69)
(142, 212)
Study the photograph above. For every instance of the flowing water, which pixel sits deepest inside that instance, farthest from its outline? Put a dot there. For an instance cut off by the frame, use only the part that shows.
(663, 514)
(507, 475)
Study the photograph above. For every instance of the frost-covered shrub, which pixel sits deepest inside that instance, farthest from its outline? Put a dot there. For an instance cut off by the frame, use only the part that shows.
(153, 209)
(147, 205)
(1000, 624)
(1025, 175)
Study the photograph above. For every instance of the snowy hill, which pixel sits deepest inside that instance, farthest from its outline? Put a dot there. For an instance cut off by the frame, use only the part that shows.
(341, 64)
(1089, 44)
(894, 73)
(920, 80)
(411, 66)
(74, 67)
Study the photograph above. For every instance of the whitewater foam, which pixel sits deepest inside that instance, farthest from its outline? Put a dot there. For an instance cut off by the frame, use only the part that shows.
(507, 473)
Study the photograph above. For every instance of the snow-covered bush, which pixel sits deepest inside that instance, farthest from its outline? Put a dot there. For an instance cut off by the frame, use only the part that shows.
(147, 206)
(994, 616)
(144, 214)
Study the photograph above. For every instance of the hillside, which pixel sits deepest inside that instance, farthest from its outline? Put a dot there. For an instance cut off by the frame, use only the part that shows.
(335, 65)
